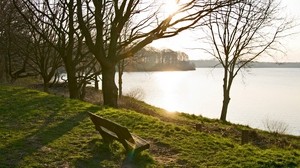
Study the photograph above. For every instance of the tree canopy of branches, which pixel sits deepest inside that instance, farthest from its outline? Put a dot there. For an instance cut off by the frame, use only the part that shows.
(111, 30)
(44, 59)
(102, 23)
(241, 33)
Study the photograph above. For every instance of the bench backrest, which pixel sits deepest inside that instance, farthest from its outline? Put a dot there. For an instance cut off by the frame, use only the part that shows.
(120, 131)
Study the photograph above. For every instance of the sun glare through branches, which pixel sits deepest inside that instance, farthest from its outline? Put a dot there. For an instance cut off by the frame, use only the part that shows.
(169, 7)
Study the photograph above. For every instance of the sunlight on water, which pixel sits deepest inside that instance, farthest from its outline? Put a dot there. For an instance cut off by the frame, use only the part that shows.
(168, 81)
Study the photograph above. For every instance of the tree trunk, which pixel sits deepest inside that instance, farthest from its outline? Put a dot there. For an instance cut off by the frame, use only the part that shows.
(72, 82)
(120, 81)
(228, 79)
(46, 85)
(120, 85)
(2, 69)
(226, 100)
(70, 61)
(82, 90)
(96, 82)
(72, 86)
(109, 88)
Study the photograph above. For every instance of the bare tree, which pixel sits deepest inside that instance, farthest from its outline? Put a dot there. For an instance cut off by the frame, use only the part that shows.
(102, 22)
(241, 33)
(59, 15)
(43, 58)
(59, 18)
(4, 5)
(14, 38)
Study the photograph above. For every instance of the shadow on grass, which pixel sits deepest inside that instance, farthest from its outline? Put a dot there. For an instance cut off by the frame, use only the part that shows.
(112, 155)
(31, 121)
(140, 160)
(16, 151)
(98, 153)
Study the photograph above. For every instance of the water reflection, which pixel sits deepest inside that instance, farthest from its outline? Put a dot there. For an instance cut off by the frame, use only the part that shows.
(170, 87)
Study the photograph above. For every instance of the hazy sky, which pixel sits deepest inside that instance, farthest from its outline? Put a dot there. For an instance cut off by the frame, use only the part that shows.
(187, 40)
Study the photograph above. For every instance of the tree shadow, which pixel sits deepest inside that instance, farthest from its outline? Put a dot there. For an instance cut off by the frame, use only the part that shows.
(140, 160)
(32, 121)
(109, 155)
(53, 127)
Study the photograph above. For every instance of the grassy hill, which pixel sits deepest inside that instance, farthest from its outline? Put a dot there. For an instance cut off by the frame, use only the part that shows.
(42, 130)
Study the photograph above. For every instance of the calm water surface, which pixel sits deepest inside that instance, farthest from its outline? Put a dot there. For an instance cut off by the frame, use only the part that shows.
(261, 94)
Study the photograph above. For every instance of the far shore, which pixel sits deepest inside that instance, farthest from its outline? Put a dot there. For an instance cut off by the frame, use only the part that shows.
(216, 64)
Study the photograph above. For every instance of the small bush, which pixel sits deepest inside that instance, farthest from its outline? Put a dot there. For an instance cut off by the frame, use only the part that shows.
(276, 127)
(136, 93)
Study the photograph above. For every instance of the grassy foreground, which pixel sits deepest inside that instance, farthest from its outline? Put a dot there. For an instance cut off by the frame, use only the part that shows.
(42, 130)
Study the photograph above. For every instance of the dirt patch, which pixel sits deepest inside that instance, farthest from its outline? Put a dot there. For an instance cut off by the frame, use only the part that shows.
(163, 153)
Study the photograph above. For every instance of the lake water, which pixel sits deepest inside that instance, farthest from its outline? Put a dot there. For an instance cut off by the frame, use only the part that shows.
(258, 95)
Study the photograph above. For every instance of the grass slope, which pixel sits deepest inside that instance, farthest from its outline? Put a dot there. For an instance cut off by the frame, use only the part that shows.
(42, 130)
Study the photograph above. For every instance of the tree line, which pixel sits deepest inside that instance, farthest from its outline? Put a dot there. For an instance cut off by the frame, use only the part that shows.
(153, 59)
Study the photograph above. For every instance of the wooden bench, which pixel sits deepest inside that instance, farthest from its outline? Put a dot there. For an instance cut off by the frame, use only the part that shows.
(110, 131)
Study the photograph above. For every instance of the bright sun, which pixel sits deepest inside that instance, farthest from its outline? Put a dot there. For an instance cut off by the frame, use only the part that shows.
(169, 7)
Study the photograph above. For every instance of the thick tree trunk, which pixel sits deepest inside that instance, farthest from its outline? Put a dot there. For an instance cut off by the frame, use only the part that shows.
(46, 85)
(109, 88)
(70, 62)
(72, 82)
(72, 86)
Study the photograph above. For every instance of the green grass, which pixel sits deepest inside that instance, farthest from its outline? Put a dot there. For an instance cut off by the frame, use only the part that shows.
(42, 130)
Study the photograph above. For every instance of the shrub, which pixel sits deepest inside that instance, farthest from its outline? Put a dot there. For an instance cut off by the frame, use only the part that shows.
(136, 93)
(276, 127)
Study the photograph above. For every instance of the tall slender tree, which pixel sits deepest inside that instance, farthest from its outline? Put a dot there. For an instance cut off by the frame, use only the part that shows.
(241, 33)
